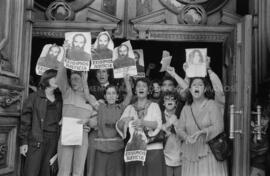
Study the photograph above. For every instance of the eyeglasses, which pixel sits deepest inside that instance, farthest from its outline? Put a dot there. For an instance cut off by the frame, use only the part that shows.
(169, 99)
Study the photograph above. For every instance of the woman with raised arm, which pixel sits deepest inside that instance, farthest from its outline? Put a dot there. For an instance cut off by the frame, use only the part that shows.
(201, 120)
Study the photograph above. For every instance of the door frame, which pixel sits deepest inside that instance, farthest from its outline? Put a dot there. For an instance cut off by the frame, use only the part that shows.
(163, 32)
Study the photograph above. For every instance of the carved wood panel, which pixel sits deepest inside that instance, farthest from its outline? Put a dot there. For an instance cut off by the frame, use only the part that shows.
(12, 82)
(8, 136)
(160, 19)
(95, 16)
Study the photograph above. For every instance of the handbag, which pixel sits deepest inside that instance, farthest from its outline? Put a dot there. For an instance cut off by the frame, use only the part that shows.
(219, 145)
(53, 166)
(160, 137)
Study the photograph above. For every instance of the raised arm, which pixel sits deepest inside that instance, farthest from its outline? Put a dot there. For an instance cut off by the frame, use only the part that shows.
(61, 77)
(89, 97)
(129, 91)
(218, 88)
(181, 82)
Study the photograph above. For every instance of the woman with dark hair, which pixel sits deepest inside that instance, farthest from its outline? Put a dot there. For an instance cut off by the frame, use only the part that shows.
(144, 115)
(39, 127)
(200, 121)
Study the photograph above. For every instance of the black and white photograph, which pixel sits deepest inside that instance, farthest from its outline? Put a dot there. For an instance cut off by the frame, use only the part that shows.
(134, 87)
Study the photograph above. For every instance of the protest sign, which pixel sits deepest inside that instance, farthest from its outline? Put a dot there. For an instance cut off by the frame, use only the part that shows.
(49, 58)
(123, 61)
(196, 62)
(72, 131)
(136, 147)
(139, 59)
(102, 52)
(165, 61)
(78, 54)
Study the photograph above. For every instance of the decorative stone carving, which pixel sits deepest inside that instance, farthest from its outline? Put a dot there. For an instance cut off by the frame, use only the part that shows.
(109, 6)
(172, 5)
(192, 14)
(210, 6)
(157, 17)
(5, 64)
(59, 10)
(50, 34)
(76, 5)
(192, 1)
(174, 36)
(9, 97)
(94, 21)
(143, 7)
(3, 152)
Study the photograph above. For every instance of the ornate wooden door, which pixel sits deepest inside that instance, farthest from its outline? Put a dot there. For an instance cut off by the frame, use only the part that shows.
(238, 56)
(15, 41)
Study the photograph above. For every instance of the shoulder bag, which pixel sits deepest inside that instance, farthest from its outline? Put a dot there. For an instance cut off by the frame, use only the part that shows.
(219, 145)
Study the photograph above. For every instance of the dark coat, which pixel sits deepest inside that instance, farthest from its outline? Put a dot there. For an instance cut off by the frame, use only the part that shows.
(33, 115)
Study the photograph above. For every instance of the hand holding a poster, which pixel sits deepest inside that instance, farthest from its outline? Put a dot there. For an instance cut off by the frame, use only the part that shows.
(90, 98)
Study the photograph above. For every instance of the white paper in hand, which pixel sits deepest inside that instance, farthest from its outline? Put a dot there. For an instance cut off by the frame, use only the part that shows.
(196, 62)
(166, 61)
(72, 131)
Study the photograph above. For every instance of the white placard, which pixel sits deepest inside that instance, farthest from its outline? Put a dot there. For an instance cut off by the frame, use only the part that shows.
(196, 62)
(102, 53)
(123, 61)
(72, 131)
(49, 58)
(136, 147)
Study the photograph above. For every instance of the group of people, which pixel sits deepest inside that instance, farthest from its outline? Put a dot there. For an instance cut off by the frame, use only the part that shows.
(106, 111)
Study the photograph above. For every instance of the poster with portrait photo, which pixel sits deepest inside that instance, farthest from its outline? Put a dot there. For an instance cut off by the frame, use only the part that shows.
(78, 54)
(49, 58)
(123, 61)
(139, 59)
(196, 62)
(102, 52)
(136, 147)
